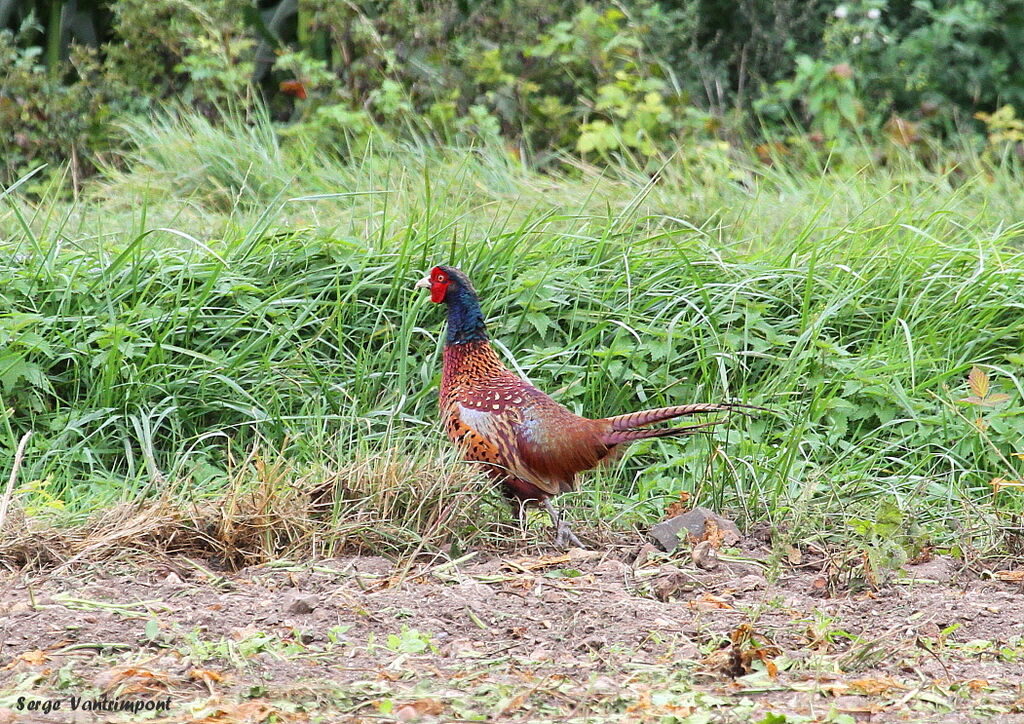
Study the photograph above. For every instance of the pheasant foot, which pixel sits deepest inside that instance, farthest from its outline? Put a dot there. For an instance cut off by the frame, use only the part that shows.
(563, 533)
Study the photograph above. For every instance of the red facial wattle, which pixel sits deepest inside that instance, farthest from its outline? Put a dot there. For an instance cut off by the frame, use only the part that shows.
(437, 291)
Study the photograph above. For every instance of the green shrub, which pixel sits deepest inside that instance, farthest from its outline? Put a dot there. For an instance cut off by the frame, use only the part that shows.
(44, 120)
(543, 79)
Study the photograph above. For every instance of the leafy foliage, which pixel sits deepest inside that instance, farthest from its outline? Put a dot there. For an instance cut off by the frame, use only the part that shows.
(166, 336)
(639, 79)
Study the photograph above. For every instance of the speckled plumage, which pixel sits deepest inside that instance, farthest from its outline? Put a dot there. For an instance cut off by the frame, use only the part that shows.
(532, 444)
(524, 439)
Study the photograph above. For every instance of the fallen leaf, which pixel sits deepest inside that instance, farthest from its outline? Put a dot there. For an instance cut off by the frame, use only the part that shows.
(1015, 576)
(679, 506)
(36, 657)
(514, 704)
(208, 675)
(877, 686)
(1000, 483)
(532, 564)
(708, 600)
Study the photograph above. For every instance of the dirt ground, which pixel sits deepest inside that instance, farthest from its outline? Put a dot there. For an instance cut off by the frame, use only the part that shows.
(625, 634)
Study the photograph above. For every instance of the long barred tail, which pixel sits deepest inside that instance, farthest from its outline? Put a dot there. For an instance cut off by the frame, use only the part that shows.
(660, 414)
(620, 436)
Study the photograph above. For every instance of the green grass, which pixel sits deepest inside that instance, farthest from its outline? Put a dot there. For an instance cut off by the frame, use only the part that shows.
(222, 293)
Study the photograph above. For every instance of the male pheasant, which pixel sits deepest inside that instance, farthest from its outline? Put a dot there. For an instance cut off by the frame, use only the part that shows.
(527, 441)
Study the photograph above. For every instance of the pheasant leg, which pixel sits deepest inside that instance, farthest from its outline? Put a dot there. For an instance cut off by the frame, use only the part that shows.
(563, 533)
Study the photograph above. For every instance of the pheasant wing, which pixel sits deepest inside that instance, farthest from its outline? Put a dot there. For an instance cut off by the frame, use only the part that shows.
(537, 439)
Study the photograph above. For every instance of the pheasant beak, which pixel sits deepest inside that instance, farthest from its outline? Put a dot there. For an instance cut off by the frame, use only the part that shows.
(423, 283)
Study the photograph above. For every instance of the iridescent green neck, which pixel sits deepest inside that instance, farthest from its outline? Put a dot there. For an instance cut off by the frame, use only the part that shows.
(465, 319)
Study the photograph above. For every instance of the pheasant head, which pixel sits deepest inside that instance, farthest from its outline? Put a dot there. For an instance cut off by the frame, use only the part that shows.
(451, 287)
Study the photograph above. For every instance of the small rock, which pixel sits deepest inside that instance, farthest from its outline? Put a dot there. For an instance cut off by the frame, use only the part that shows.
(591, 643)
(695, 524)
(407, 713)
(611, 567)
(761, 532)
(685, 649)
(644, 555)
(540, 654)
(705, 556)
(940, 569)
(301, 603)
(579, 555)
(751, 582)
(667, 588)
(173, 578)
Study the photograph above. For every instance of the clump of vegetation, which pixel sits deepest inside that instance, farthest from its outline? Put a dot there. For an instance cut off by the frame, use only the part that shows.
(149, 339)
(542, 80)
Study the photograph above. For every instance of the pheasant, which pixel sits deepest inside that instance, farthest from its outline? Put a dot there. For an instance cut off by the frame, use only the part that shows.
(526, 440)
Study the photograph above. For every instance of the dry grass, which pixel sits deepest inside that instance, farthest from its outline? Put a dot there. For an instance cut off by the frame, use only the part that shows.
(392, 504)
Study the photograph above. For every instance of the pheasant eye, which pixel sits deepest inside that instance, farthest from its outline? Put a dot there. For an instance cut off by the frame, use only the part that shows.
(439, 278)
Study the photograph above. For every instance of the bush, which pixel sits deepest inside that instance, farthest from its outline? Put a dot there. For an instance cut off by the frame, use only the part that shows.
(637, 79)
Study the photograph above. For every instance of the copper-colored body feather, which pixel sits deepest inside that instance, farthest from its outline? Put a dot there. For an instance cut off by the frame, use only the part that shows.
(526, 439)
(522, 437)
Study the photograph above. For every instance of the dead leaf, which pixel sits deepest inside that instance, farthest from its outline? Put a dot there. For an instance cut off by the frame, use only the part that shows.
(794, 556)
(768, 152)
(208, 675)
(679, 506)
(1000, 483)
(515, 704)
(982, 396)
(131, 680)
(1016, 576)
(418, 708)
(36, 657)
(901, 131)
(708, 600)
(877, 686)
(532, 564)
(977, 381)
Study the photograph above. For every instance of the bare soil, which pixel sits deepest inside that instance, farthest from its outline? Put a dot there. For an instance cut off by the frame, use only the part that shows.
(620, 635)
